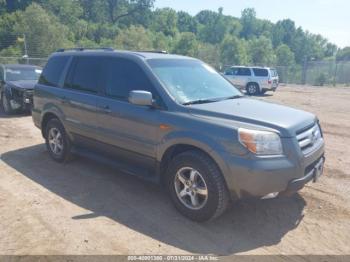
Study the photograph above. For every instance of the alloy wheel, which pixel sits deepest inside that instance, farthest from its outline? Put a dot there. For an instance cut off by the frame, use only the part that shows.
(191, 188)
(55, 140)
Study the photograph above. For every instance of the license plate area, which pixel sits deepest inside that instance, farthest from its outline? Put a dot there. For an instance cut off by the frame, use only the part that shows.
(318, 170)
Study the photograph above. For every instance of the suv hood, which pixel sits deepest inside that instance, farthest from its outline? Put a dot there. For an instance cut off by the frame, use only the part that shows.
(22, 84)
(244, 111)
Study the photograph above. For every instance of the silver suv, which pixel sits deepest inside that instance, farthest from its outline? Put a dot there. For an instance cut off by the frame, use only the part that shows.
(255, 80)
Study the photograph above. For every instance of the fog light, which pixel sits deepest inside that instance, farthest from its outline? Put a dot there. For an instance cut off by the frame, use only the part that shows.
(271, 195)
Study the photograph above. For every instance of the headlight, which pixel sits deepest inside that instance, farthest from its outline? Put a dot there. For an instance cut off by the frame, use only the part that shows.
(260, 142)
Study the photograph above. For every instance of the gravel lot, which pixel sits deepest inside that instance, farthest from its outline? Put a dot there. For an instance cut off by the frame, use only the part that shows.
(87, 208)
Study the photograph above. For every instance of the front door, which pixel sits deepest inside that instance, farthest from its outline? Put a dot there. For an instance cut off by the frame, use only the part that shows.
(132, 130)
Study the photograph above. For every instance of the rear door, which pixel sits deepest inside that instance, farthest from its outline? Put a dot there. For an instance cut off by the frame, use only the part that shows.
(79, 99)
(243, 75)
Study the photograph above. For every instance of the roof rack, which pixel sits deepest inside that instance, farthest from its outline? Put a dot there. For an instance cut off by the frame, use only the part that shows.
(154, 51)
(84, 48)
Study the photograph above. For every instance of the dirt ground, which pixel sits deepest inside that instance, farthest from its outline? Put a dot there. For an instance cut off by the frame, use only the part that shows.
(86, 208)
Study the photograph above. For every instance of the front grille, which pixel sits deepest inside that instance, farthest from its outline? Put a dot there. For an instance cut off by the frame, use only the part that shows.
(310, 139)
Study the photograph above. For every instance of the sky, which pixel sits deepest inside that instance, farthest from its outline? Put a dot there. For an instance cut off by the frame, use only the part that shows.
(330, 18)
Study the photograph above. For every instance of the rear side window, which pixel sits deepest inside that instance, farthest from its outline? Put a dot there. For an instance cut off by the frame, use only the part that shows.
(85, 74)
(260, 72)
(53, 70)
(243, 72)
(123, 76)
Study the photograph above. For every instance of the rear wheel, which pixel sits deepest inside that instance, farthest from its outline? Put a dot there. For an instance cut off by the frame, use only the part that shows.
(196, 186)
(57, 141)
(253, 89)
(6, 105)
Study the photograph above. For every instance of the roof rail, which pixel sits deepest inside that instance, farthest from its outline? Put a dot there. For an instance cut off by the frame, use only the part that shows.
(154, 51)
(84, 48)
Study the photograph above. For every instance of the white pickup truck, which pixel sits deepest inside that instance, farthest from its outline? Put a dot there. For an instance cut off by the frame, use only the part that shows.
(255, 80)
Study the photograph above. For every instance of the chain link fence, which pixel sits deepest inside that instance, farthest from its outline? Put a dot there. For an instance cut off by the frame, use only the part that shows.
(316, 73)
(20, 60)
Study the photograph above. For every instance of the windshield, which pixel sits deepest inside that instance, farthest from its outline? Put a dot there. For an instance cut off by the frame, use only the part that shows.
(16, 74)
(191, 80)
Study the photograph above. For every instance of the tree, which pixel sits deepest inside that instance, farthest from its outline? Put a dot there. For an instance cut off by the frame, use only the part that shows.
(165, 20)
(41, 42)
(186, 23)
(210, 54)
(134, 38)
(213, 27)
(68, 11)
(118, 9)
(186, 45)
(285, 57)
(233, 51)
(344, 54)
(249, 23)
(261, 51)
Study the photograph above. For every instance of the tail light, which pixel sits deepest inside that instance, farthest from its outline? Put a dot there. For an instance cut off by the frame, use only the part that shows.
(269, 82)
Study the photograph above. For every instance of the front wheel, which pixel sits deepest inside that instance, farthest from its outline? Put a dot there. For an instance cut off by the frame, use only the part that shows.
(196, 186)
(253, 89)
(6, 105)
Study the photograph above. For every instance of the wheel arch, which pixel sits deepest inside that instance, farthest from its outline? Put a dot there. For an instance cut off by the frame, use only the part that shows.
(179, 146)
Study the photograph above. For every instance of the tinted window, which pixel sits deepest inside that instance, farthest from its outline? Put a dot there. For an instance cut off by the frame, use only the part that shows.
(229, 72)
(243, 72)
(260, 72)
(123, 76)
(86, 74)
(53, 70)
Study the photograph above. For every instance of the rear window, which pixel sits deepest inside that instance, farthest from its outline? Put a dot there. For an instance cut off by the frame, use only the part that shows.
(273, 72)
(260, 72)
(53, 70)
(86, 74)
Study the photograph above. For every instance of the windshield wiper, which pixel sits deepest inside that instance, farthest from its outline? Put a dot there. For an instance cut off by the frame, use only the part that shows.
(212, 100)
(200, 101)
(233, 97)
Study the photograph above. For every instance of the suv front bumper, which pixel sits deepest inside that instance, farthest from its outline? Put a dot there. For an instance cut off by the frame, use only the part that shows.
(257, 177)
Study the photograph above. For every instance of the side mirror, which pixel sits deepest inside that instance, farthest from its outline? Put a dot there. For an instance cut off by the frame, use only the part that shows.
(141, 98)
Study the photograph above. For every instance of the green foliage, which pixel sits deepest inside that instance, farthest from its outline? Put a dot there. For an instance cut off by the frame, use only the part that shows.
(285, 57)
(186, 45)
(261, 51)
(233, 51)
(134, 38)
(40, 41)
(164, 20)
(344, 54)
(321, 80)
(212, 36)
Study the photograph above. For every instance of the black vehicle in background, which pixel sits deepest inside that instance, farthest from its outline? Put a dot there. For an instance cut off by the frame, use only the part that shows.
(16, 87)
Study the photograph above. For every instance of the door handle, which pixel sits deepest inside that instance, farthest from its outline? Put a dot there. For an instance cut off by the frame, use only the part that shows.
(105, 109)
(64, 100)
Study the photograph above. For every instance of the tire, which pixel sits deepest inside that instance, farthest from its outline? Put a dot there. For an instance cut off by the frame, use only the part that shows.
(57, 141)
(253, 89)
(6, 105)
(211, 191)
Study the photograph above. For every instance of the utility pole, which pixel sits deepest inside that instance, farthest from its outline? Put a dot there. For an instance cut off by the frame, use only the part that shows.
(25, 49)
